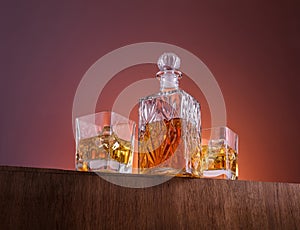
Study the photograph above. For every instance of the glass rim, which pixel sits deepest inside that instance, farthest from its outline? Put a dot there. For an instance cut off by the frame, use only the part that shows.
(103, 112)
(219, 127)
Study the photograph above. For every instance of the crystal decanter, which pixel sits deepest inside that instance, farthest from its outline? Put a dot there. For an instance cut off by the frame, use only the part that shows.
(169, 126)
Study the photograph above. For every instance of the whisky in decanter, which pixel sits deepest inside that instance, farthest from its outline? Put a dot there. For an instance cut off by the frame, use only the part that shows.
(169, 126)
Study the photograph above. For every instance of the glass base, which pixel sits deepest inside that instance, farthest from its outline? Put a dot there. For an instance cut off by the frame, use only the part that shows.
(100, 165)
(220, 174)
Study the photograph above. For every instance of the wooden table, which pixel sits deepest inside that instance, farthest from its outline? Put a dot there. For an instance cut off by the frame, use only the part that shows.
(32, 198)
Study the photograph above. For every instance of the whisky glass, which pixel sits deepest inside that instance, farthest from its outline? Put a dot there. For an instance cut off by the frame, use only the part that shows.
(219, 152)
(104, 142)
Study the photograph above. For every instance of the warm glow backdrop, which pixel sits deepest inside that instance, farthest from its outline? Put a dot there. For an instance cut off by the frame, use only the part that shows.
(251, 47)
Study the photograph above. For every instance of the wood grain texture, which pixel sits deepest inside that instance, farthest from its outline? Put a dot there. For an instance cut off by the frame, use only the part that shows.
(57, 199)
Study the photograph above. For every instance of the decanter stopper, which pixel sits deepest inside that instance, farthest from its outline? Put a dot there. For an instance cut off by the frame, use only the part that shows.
(168, 61)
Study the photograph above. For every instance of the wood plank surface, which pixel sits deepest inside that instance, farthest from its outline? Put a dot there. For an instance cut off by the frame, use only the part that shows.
(33, 198)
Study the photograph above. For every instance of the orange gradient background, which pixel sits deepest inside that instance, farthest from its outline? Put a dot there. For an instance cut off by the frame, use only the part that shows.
(251, 47)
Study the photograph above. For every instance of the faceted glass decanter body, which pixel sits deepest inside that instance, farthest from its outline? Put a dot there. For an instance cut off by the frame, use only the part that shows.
(169, 126)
